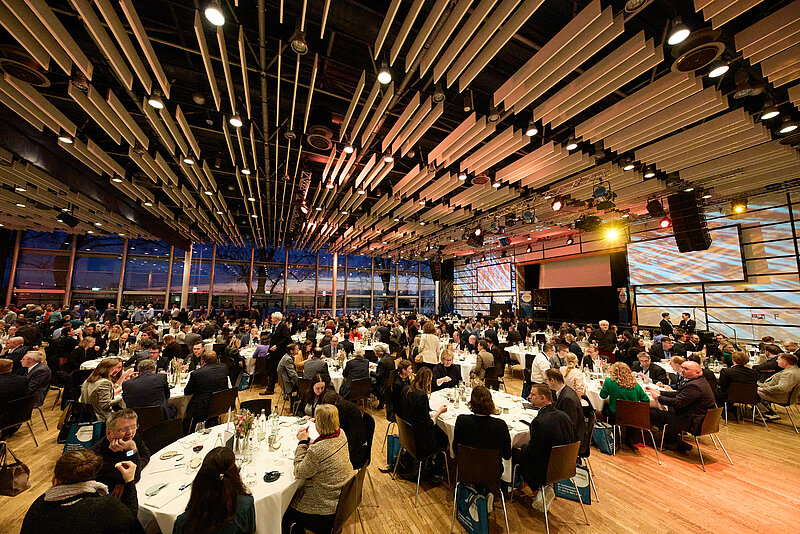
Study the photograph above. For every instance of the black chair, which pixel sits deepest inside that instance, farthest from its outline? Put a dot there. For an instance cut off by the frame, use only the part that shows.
(490, 378)
(17, 412)
(148, 416)
(221, 402)
(747, 395)
(794, 398)
(185, 350)
(218, 348)
(360, 391)
(634, 414)
(369, 427)
(260, 369)
(481, 468)
(349, 502)
(408, 444)
(257, 405)
(586, 449)
(165, 433)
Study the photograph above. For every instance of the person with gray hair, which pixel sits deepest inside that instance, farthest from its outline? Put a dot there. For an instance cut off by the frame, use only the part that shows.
(14, 350)
(355, 369)
(38, 375)
(122, 444)
(148, 389)
(279, 342)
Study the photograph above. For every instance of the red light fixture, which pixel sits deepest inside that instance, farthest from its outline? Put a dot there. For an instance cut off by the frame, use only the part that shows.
(665, 222)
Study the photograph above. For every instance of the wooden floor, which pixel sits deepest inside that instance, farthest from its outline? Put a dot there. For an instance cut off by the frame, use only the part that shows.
(760, 493)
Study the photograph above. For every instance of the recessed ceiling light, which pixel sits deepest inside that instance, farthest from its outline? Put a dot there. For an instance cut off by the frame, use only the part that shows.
(236, 121)
(116, 179)
(384, 75)
(214, 14)
(246, 171)
(251, 199)
(20, 188)
(361, 192)
(155, 101)
(20, 205)
(718, 68)
(678, 33)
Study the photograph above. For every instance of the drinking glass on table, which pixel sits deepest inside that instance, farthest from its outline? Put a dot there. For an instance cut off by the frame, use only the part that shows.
(200, 427)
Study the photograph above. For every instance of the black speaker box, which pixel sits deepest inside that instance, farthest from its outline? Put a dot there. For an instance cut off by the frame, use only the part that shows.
(436, 270)
(688, 222)
(448, 270)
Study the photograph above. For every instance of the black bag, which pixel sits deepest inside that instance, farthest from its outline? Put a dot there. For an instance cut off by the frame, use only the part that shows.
(77, 412)
(14, 476)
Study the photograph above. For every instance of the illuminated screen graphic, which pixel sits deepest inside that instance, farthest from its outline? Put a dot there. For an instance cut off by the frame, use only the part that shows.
(659, 261)
(495, 277)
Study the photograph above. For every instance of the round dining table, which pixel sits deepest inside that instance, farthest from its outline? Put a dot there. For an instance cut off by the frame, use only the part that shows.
(177, 464)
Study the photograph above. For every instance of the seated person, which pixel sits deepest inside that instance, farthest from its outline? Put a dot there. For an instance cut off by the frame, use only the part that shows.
(308, 404)
(148, 389)
(483, 361)
(380, 377)
(352, 424)
(356, 368)
(416, 411)
(676, 379)
(566, 400)
(121, 444)
(211, 377)
(592, 359)
(399, 379)
(663, 350)
(551, 427)
(779, 386)
(708, 374)
(738, 373)
(220, 503)
(573, 377)
(316, 365)
(324, 468)
(480, 429)
(770, 365)
(287, 371)
(38, 375)
(77, 502)
(620, 385)
(445, 373)
(101, 391)
(646, 369)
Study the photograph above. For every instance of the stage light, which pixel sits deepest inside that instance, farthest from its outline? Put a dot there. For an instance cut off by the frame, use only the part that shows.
(678, 33)
(155, 101)
(739, 205)
(655, 209)
(532, 129)
(236, 121)
(557, 204)
(462, 176)
(214, 14)
(384, 75)
(665, 222)
(612, 233)
(787, 126)
(570, 240)
(298, 42)
(718, 68)
(246, 171)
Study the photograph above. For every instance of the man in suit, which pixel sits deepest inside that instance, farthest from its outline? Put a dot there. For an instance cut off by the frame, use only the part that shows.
(791, 347)
(384, 332)
(154, 354)
(662, 351)
(110, 313)
(687, 323)
(606, 340)
(665, 324)
(281, 337)
(331, 349)
(778, 388)
(645, 368)
(315, 365)
(566, 400)
(514, 336)
(212, 376)
(311, 332)
(550, 428)
(738, 373)
(148, 389)
(38, 375)
(250, 337)
(686, 407)
(354, 369)
(14, 350)
(770, 366)
(194, 336)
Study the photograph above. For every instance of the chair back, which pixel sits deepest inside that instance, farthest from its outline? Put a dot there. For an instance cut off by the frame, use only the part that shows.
(479, 467)
(18, 411)
(794, 396)
(221, 401)
(165, 433)
(741, 393)
(256, 405)
(563, 459)
(360, 389)
(349, 500)
(219, 348)
(260, 367)
(585, 449)
(148, 416)
(526, 376)
(303, 386)
(369, 427)
(185, 350)
(634, 414)
(710, 424)
(405, 432)
(490, 378)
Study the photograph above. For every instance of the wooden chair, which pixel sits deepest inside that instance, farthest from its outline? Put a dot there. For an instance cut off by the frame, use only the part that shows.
(260, 369)
(369, 426)
(409, 445)
(794, 398)
(257, 405)
(586, 449)
(482, 468)
(747, 395)
(360, 391)
(165, 433)
(634, 414)
(18, 412)
(709, 427)
(221, 402)
(349, 502)
(561, 466)
(148, 416)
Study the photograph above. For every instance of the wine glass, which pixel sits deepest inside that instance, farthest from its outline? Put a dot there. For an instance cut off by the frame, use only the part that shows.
(200, 427)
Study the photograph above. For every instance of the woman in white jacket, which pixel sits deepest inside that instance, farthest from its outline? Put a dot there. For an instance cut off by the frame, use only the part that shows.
(429, 346)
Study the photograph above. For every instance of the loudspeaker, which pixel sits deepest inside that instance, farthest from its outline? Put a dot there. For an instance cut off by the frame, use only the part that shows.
(689, 222)
(448, 270)
(436, 270)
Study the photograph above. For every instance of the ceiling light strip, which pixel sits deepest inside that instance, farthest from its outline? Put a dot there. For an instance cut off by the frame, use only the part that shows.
(24, 37)
(158, 126)
(411, 125)
(353, 101)
(415, 136)
(498, 41)
(121, 35)
(379, 111)
(60, 33)
(226, 66)
(144, 42)
(41, 33)
(453, 19)
(405, 28)
(373, 94)
(460, 41)
(422, 37)
(104, 42)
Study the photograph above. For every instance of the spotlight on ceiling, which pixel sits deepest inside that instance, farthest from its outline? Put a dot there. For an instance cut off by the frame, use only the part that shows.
(236, 121)
(329, 185)
(628, 165)
(494, 114)
(304, 208)
(462, 176)
(116, 180)
(251, 199)
(438, 94)
(739, 205)
(529, 249)
(787, 126)
(557, 204)
(468, 105)
(665, 222)
(189, 160)
(572, 144)
(678, 33)
(706, 195)
(497, 183)
(66, 138)
(655, 209)
(362, 192)
(718, 68)
(421, 202)
(570, 240)
(477, 231)
(209, 193)
(612, 233)
(388, 158)
(318, 208)
(532, 129)
(246, 171)
(650, 171)
(155, 100)
(769, 112)
(214, 14)
(384, 75)
(298, 42)
(348, 148)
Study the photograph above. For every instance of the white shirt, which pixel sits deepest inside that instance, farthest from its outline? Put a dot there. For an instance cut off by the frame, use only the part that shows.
(539, 366)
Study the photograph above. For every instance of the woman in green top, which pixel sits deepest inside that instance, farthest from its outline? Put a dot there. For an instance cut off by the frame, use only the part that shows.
(220, 503)
(620, 385)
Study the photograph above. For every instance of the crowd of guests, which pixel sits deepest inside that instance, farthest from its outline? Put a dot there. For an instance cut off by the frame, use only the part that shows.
(414, 357)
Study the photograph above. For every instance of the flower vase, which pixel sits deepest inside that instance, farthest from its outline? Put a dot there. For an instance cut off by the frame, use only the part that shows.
(241, 448)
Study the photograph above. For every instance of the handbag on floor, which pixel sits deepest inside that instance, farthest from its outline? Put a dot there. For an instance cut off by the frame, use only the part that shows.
(14, 475)
(603, 436)
(472, 510)
(565, 489)
(392, 448)
(84, 435)
(244, 381)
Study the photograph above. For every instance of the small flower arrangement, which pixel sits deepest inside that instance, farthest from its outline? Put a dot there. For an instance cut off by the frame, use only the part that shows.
(243, 422)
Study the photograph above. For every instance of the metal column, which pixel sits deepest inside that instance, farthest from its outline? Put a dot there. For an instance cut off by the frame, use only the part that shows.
(169, 276)
(187, 266)
(250, 283)
(371, 284)
(316, 285)
(122, 272)
(333, 282)
(12, 274)
(396, 287)
(285, 279)
(68, 286)
(211, 282)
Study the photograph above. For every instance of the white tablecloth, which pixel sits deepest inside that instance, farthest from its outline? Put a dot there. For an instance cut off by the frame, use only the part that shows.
(523, 354)
(337, 376)
(466, 362)
(271, 499)
(593, 387)
(518, 430)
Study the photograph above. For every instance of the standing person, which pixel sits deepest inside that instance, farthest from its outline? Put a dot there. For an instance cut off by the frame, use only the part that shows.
(220, 503)
(666, 324)
(606, 340)
(687, 323)
(280, 339)
(429, 346)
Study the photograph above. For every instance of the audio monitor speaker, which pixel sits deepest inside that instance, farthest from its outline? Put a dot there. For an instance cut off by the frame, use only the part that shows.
(688, 222)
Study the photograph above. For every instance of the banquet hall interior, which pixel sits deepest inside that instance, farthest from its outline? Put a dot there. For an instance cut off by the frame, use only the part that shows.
(457, 189)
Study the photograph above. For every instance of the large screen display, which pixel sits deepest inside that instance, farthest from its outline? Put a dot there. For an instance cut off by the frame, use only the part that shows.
(658, 261)
(494, 277)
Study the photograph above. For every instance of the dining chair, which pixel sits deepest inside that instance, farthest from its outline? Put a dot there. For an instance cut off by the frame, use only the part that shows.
(481, 468)
(634, 414)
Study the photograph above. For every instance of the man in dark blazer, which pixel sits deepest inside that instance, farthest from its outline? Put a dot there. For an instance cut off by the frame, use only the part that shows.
(686, 407)
(354, 369)
(12, 386)
(770, 366)
(281, 337)
(551, 427)
(38, 375)
(566, 400)
(316, 365)
(665, 324)
(738, 373)
(645, 367)
(14, 350)
(662, 351)
(687, 323)
(212, 376)
(384, 332)
(311, 333)
(330, 350)
(148, 389)
(193, 337)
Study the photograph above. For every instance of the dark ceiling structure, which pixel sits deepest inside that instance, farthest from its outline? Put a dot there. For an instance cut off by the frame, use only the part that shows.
(388, 127)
